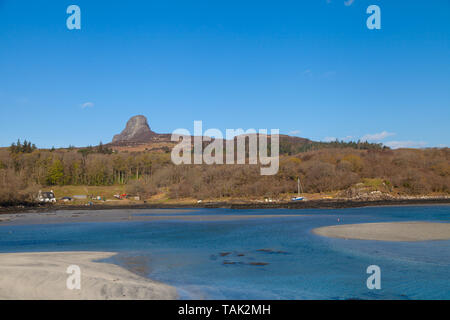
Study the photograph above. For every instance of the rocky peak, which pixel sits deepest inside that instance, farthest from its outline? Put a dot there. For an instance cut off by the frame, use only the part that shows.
(137, 130)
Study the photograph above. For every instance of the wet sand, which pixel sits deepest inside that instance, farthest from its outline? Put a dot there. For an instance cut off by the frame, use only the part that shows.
(42, 275)
(117, 215)
(389, 231)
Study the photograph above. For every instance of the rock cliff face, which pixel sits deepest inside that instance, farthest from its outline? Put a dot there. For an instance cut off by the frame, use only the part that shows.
(137, 130)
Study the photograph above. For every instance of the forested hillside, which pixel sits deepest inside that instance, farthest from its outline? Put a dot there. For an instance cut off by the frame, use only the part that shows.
(321, 168)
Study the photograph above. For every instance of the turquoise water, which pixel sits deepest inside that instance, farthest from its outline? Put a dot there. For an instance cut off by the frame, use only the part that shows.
(267, 258)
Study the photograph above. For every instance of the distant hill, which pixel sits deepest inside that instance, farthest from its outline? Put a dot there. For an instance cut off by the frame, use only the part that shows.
(137, 136)
(136, 130)
(138, 162)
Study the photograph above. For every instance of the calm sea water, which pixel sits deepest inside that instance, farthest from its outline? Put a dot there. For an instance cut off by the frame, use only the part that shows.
(270, 258)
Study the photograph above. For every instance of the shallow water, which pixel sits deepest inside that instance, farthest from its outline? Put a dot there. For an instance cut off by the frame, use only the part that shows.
(270, 258)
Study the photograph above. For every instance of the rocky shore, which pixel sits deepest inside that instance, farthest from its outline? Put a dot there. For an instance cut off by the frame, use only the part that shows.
(310, 204)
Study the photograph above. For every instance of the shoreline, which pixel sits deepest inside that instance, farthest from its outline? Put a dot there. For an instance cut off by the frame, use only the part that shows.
(310, 204)
(43, 276)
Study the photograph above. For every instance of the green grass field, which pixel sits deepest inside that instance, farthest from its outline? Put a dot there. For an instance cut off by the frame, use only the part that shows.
(106, 192)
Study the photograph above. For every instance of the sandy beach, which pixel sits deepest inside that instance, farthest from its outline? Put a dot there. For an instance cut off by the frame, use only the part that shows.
(42, 275)
(390, 231)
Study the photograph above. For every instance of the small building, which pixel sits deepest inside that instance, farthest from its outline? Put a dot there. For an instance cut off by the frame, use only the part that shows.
(46, 196)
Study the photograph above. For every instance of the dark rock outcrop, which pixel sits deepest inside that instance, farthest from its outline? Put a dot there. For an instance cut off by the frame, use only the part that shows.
(137, 130)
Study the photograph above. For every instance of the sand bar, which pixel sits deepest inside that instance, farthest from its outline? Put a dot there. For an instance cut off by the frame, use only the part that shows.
(388, 231)
(42, 275)
(72, 216)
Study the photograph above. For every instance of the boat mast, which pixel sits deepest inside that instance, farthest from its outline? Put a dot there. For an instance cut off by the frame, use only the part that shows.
(299, 186)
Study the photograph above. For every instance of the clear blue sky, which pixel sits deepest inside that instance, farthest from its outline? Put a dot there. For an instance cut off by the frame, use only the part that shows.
(310, 68)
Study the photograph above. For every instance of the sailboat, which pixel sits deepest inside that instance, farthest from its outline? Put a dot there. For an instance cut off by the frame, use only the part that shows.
(299, 186)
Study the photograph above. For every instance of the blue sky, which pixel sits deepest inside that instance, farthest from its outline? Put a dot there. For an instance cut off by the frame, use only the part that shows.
(310, 68)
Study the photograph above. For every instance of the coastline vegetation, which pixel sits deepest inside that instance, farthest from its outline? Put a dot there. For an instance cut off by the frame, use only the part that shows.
(339, 167)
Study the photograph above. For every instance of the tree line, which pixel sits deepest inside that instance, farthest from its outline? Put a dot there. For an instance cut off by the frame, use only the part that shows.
(25, 147)
(407, 171)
